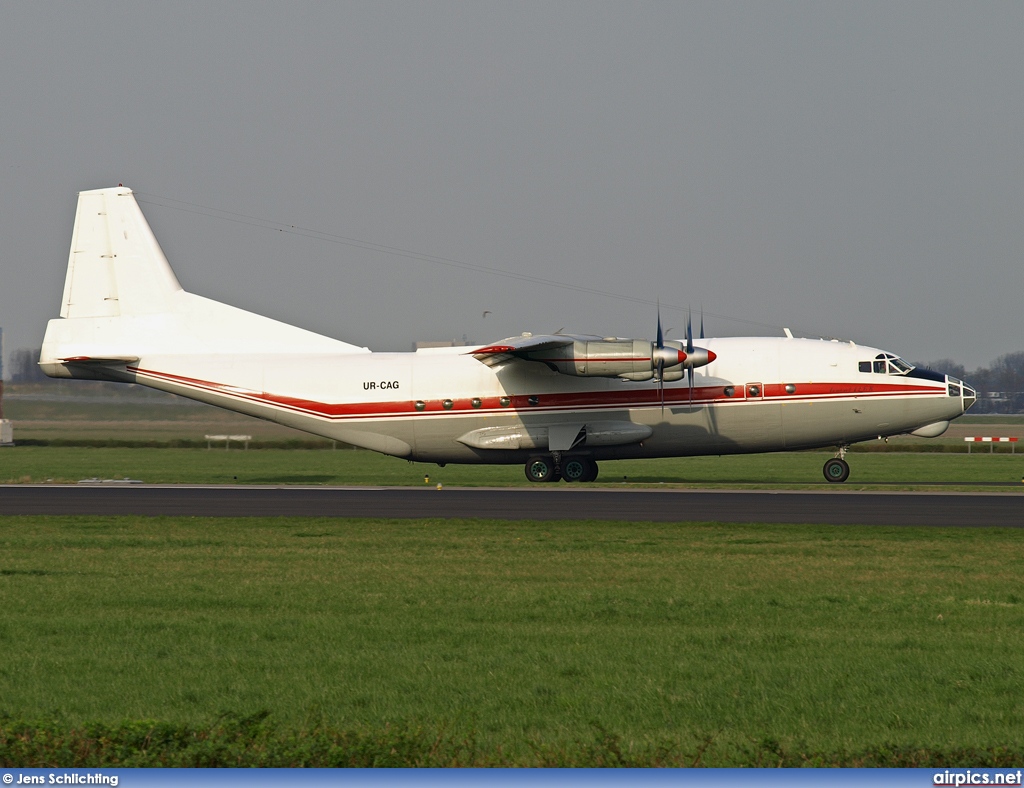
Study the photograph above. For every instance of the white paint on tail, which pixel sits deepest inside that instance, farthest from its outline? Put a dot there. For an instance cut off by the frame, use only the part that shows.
(121, 299)
(116, 266)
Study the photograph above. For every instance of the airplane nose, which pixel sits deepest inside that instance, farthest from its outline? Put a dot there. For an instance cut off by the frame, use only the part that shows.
(970, 397)
(957, 388)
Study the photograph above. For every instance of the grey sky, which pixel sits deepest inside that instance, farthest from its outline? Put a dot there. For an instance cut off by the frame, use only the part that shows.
(845, 169)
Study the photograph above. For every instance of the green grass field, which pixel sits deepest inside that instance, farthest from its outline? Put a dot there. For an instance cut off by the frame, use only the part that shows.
(899, 470)
(152, 641)
(512, 642)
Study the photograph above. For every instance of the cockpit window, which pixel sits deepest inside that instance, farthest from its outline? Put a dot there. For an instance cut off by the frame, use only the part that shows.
(885, 364)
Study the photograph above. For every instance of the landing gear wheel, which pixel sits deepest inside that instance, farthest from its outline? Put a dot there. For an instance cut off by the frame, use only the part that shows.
(836, 471)
(574, 469)
(591, 474)
(540, 469)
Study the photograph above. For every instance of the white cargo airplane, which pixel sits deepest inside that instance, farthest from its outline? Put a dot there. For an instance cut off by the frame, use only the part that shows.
(558, 403)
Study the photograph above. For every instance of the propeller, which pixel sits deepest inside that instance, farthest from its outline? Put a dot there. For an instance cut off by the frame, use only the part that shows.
(664, 356)
(689, 350)
(659, 355)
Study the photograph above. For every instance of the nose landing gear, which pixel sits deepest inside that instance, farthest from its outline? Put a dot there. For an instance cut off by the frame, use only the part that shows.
(837, 470)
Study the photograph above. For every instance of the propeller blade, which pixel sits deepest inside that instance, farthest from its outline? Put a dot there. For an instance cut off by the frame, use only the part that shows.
(702, 321)
(689, 351)
(661, 362)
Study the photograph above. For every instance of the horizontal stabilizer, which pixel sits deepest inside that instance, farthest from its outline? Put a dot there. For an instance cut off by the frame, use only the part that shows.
(96, 360)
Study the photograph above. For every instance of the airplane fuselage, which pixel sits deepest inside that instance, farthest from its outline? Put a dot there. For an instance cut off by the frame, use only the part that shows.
(761, 394)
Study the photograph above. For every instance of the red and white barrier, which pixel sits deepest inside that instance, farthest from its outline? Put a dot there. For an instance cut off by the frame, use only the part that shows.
(991, 441)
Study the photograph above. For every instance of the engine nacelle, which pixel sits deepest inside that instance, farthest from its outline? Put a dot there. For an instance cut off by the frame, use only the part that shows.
(607, 358)
(631, 359)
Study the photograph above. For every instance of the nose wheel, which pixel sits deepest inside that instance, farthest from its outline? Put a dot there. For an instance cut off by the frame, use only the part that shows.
(836, 470)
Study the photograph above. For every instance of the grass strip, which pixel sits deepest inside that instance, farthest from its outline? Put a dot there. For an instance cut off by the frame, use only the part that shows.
(40, 464)
(256, 741)
(558, 643)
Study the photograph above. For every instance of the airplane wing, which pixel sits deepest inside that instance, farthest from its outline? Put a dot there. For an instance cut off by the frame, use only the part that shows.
(589, 356)
(519, 347)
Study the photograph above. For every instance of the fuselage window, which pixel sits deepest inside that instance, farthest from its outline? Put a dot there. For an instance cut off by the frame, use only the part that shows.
(864, 366)
(880, 367)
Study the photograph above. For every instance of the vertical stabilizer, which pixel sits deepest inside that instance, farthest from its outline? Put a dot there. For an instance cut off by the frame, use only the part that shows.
(122, 301)
(116, 266)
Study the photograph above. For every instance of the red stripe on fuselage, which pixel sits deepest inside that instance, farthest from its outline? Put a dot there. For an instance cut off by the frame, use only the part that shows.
(583, 400)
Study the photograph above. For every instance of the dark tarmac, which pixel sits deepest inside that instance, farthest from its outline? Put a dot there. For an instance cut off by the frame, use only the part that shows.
(555, 503)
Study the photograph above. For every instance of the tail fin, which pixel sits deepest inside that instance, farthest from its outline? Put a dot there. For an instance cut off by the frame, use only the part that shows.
(116, 266)
(122, 302)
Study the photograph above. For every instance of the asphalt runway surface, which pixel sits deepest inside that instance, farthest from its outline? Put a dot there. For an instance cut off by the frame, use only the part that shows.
(541, 503)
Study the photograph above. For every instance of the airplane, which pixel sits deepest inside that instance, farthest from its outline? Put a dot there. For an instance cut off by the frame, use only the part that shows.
(556, 403)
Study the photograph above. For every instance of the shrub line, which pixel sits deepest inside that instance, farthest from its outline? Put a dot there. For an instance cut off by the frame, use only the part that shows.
(243, 741)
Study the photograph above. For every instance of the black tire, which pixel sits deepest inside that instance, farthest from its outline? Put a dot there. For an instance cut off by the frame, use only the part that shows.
(836, 471)
(591, 474)
(540, 469)
(574, 469)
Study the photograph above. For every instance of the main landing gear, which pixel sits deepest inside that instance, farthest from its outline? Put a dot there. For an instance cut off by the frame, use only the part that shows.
(837, 470)
(548, 468)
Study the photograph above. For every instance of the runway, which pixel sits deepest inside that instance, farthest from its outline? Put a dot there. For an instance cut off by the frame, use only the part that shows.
(541, 503)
